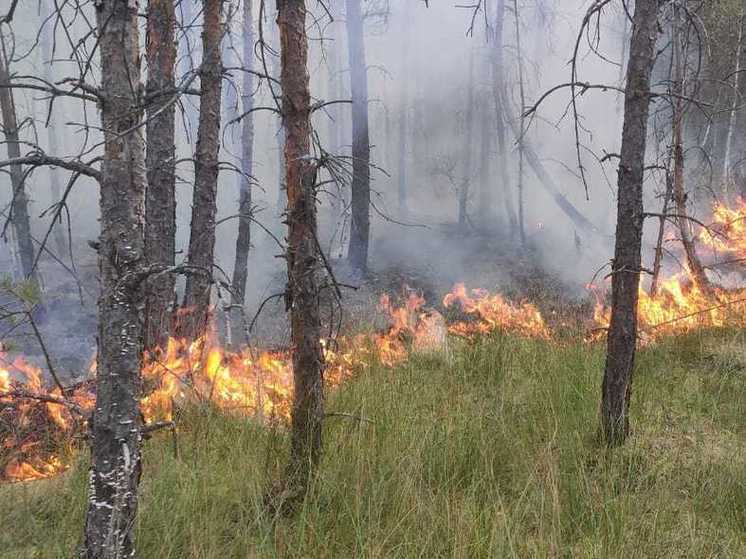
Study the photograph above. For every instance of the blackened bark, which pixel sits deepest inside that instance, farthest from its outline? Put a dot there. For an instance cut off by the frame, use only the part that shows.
(160, 161)
(115, 451)
(243, 241)
(360, 224)
(19, 207)
(204, 207)
(302, 254)
(625, 283)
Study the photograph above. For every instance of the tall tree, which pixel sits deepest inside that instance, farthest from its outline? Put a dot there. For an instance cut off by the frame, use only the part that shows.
(360, 225)
(160, 162)
(677, 126)
(46, 38)
(522, 137)
(463, 194)
(204, 206)
(498, 90)
(302, 250)
(19, 206)
(243, 240)
(115, 451)
(625, 279)
(403, 117)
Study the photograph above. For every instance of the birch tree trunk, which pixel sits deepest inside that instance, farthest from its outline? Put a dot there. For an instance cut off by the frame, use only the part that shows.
(204, 207)
(625, 282)
(360, 224)
(734, 105)
(19, 206)
(302, 251)
(160, 162)
(243, 240)
(115, 449)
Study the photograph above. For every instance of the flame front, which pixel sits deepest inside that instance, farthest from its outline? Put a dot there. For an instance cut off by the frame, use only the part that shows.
(492, 312)
(679, 306)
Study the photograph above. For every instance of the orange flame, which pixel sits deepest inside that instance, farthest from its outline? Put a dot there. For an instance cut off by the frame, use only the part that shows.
(728, 230)
(492, 312)
(678, 307)
(246, 382)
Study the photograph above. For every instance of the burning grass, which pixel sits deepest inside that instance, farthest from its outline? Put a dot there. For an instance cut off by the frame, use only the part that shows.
(490, 452)
(39, 423)
(39, 426)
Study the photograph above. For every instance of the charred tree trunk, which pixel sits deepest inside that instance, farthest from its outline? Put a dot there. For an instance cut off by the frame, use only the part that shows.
(360, 224)
(498, 88)
(302, 251)
(204, 207)
(160, 162)
(115, 450)
(625, 282)
(243, 241)
(19, 205)
(679, 192)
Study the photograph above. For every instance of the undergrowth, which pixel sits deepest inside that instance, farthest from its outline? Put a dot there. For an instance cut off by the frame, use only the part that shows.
(487, 450)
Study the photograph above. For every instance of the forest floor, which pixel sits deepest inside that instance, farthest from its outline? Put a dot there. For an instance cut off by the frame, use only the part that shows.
(486, 450)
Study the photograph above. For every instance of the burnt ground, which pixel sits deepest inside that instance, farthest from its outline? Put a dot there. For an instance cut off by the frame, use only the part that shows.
(428, 261)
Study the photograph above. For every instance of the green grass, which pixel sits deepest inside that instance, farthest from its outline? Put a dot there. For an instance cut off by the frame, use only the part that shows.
(488, 452)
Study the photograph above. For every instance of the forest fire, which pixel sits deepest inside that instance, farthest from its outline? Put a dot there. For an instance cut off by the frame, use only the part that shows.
(36, 422)
(492, 312)
(679, 306)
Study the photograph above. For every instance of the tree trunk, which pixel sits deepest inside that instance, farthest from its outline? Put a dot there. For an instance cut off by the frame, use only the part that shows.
(280, 135)
(19, 206)
(734, 106)
(679, 192)
(403, 117)
(658, 259)
(243, 241)
(625, 282)
(204, 208)
(521, 139)
(463, 194)
(160, 162)
(302, 250)
(498, 88)
(60, 236)
(115, 450)
(360, 224)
